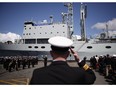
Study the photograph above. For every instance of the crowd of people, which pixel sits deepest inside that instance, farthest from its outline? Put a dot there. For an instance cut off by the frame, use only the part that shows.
(12, 63)
(105, 65)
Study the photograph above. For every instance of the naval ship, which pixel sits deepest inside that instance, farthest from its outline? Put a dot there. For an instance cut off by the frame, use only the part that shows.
(34, 41)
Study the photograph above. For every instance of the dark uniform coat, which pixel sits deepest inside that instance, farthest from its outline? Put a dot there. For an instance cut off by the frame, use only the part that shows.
(59, 72)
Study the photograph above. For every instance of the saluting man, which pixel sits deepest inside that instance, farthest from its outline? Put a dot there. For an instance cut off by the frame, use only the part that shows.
(59, 72)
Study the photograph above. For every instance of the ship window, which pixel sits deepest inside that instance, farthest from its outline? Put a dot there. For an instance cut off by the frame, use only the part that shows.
(29, 46)
(63, 26)
(25, 28)
(63, 32)
(57, 32)
(42, 41)
(30, 41)
(51, 32)
(36, 46)
(89, 47)
(53, 26)
(30, 28)
(108, 47)
(42, 47)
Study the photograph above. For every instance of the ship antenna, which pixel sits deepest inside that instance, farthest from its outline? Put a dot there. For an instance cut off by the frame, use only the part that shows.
(63, 17)
(51, 19)
(83, 16)
(70, 17)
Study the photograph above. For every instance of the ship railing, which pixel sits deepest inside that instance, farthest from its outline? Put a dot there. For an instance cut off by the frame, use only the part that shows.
(108, 41)
(48, 24)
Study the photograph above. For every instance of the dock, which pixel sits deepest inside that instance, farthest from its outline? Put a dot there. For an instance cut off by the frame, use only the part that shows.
(23, 76)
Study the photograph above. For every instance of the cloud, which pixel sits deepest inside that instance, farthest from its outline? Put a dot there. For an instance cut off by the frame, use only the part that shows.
(111, 26)
(44, 21)
(99, 26)
(9, 37)
(77, 36)
(102, 25)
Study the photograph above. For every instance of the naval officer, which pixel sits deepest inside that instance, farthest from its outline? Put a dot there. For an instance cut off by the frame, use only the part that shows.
(59, 72)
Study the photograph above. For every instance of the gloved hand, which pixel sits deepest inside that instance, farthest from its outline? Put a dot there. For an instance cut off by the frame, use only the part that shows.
(81, 64)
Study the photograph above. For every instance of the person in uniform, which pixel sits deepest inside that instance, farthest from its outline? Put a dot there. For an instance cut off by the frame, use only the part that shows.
(45, 60)
(59, 72)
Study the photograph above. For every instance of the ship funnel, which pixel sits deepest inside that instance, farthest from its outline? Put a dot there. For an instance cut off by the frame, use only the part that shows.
(51, 19)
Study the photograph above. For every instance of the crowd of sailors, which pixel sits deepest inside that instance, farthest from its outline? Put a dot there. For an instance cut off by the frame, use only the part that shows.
(12, 63)
(105, 65)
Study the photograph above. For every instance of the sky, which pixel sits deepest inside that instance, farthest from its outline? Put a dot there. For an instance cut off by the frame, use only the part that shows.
(14, 14)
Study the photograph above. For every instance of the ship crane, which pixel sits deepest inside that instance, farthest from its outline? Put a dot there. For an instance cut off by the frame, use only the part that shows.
(83, 16)
(69, 15)
(64, 15)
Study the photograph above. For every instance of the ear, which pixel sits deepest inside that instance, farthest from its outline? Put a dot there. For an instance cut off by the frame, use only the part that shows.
(51, 52)
(67, 53)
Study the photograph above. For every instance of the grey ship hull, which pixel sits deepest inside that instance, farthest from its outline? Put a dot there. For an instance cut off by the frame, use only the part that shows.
(83, 49)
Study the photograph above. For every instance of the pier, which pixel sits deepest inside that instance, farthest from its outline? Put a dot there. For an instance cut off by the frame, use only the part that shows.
(23, 76)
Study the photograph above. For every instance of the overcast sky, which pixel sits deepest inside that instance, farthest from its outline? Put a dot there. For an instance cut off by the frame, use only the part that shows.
(13, 15)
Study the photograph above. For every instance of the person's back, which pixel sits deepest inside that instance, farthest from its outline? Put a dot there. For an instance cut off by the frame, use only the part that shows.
(59, 72)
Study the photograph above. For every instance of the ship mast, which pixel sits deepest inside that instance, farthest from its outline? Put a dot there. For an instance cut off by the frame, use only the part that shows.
(69, 18)
(83, 16)
(107, 31)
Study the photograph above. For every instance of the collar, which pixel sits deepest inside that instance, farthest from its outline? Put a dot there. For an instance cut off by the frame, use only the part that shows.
(58, 60)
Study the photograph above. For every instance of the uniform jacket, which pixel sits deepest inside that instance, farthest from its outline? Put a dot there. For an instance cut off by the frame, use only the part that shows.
(59, 72)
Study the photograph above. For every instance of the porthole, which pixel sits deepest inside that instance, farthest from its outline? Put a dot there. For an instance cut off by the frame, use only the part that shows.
(29, 46)
(36, 46)
(89, 47)
(108, 47)
(42, 47)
